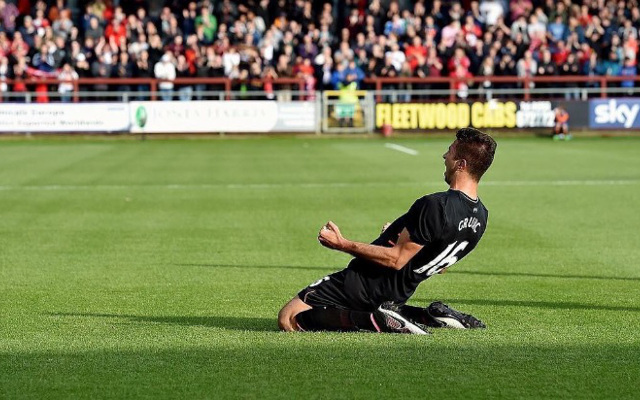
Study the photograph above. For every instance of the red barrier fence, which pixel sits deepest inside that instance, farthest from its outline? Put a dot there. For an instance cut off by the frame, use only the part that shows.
(226, 84)
(524, 83)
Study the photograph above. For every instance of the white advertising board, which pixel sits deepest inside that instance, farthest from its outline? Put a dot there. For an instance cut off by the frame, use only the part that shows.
(203, 116)
(296, 116)
(64, 117)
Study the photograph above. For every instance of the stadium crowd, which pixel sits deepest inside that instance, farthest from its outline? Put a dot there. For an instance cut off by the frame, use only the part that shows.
(327, 43)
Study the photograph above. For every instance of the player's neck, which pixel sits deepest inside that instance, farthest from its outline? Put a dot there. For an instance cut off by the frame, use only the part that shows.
(466, 185)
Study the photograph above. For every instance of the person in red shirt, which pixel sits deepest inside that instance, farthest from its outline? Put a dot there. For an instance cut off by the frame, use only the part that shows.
(471, 31)
(459, 59)
(462, 85)
(561, 53)
(115, 31)
(414, 51)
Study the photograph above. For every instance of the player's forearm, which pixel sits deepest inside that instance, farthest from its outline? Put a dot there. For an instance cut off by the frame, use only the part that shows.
(385, 256)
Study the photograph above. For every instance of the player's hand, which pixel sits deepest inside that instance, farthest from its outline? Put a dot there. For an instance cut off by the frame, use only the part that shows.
(330, 236)
(385, 226)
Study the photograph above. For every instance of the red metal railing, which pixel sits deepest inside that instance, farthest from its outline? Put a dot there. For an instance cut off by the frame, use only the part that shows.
(525, 82)
(377, 83)
(225, 83)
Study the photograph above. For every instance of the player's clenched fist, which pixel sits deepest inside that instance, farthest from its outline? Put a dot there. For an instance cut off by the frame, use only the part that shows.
(330, 236)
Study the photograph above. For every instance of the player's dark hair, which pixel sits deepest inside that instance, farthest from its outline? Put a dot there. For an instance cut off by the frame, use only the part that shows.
(477, 148)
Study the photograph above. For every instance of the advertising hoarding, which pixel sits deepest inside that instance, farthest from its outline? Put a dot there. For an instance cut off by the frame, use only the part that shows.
(64, 117)
(614, 113)
(487, 114)
(222, 116)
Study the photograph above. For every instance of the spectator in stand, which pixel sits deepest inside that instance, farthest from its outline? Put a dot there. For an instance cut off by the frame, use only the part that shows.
(40, 21)
(156, 49)
(66, 86)
(230, 60)
(189, 16)
(5, 72)
(459, 59)
(611, 66)
(546, 67)
(8, 14)
(491, 10)
(5, 44)
(176, 47)
(81, 65)
(471, 31)
(284, 69)
(397, 56)
(570, 67)
(592, 68)
(183, 70)
(487, 69)
(208, 22)
(28, 30)
(59, 53)
(115, 31)
(339, 76)
(629, 69)
(43, 60)
(520, 8)
(434, 63)
(307, 49)
(431, 30)
(101, 68)
(415, 51)
(353, 73)
(557, 30)
(396, 25)
(305, 70)
(527, 66)
(19, 48)
(461, 85)
(561, 53)
(165, 70)
(449, 34)
(406, 72)
(123, 69)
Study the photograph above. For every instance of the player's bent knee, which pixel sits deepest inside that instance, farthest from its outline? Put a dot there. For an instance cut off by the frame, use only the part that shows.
(287, 315)
(287, 322)
(284, 321)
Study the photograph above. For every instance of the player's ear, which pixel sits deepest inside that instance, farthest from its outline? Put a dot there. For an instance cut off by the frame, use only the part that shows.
(462, 164)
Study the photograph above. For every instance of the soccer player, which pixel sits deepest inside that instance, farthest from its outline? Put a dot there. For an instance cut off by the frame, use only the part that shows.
(438, 230)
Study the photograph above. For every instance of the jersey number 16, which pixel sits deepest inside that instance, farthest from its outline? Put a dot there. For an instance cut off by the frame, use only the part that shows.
(444, 260)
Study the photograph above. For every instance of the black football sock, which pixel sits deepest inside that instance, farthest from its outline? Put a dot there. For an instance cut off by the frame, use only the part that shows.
(334, 319)
(420, 315)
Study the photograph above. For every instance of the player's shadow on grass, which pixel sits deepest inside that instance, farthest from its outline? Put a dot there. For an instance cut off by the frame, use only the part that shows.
(233, 323)
(538, 275)
(302, 267)
(557, 305)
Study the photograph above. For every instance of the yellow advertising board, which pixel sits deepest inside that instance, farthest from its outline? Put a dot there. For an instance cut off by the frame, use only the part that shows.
(411, 116)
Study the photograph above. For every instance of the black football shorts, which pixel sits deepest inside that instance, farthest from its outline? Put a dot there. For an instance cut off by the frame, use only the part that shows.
(338, 290)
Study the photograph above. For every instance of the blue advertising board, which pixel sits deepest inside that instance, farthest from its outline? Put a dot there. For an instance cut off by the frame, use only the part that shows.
(619, 113)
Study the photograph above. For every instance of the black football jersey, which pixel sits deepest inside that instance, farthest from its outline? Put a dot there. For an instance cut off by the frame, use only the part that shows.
(448, 224)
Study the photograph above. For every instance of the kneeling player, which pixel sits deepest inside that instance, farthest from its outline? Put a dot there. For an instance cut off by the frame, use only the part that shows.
(561, 128)
(438, 230)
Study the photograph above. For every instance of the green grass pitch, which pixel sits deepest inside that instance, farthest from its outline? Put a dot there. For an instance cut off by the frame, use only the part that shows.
(156, 269)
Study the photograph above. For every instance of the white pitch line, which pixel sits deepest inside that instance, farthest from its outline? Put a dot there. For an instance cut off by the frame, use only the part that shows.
(402, 149)
(311, 185)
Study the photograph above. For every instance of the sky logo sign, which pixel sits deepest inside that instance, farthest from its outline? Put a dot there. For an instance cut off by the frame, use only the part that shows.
(614, 113)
